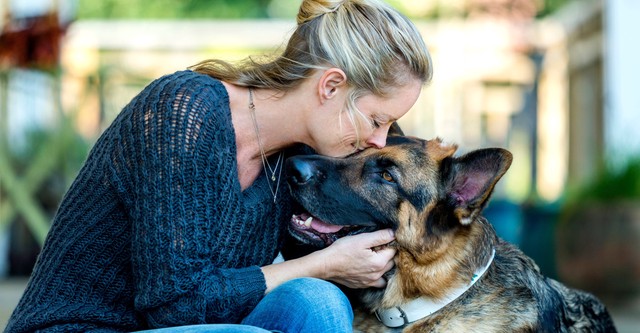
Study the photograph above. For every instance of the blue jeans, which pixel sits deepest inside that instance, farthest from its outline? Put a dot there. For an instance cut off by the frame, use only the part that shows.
(300, 305)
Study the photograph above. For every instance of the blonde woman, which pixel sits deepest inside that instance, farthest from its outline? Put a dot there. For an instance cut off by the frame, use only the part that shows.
(180, 209)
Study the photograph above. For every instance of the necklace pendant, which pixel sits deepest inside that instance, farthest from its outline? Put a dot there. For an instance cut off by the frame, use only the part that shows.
(265, 164)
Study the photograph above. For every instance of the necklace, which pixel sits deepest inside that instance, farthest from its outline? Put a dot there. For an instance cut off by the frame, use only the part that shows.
(274, 184)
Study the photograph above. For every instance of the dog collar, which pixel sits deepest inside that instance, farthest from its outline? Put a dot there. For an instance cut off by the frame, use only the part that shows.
(423, 306)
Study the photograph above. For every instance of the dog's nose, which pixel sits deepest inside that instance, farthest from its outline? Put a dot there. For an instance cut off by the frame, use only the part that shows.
(299, 171)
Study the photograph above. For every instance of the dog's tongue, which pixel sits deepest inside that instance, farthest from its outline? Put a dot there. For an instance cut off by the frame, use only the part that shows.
(323, 227)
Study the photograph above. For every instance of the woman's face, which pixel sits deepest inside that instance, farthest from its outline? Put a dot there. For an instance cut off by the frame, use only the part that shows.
(337, 135)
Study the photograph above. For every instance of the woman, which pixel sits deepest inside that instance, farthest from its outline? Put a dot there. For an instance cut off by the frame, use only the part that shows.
(180, 209)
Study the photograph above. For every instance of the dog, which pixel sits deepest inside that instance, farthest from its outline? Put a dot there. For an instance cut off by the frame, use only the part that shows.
(452, 272)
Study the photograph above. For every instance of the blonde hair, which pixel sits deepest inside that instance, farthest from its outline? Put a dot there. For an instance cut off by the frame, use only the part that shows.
(377, 48)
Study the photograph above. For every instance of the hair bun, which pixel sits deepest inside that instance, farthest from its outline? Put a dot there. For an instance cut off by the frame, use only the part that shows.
(310, 9)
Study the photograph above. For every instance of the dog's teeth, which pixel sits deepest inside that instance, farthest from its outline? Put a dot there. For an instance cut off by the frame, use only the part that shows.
(307, 223)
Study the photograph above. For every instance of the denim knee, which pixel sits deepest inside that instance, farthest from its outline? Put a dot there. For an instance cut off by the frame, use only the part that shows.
(316, 293)
(212, 328)
(303, 305)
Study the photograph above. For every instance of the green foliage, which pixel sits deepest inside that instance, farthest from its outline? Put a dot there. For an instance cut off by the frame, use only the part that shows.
(172, 9)
(612, 185)
(237, 9)
(550, 6)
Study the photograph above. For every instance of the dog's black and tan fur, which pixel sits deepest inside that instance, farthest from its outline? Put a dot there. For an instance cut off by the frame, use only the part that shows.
(433, 200)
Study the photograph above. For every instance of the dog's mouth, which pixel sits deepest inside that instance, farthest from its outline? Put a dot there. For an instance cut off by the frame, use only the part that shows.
(314, 231)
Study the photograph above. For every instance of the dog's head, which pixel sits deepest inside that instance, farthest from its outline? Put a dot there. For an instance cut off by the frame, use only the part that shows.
(409, 184)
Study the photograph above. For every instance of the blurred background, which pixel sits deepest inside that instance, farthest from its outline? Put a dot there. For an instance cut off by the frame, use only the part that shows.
(551, 80)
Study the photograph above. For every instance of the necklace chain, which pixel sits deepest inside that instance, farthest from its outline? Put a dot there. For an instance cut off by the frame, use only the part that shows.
(265, 163)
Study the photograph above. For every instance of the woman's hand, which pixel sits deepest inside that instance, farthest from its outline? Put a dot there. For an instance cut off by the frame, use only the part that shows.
(358, 261)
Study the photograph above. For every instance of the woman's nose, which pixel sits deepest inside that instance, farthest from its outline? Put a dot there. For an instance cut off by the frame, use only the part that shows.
(378, 139)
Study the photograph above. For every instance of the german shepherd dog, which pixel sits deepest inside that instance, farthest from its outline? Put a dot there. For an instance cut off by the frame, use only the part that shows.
(452, 272)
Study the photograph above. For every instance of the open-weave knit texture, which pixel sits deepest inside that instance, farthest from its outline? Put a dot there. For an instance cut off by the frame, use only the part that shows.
(155, 231)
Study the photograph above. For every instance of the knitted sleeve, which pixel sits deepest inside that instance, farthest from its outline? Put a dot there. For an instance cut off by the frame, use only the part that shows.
(172, 167)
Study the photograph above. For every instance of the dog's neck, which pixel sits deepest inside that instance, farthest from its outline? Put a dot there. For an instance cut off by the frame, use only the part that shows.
(424, 306)
(440, 265)
(438, 268)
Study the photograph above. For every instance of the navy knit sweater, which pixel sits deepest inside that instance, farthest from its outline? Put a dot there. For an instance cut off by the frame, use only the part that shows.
(155, 231)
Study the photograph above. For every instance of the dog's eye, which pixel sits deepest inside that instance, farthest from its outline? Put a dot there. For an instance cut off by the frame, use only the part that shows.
(387, 176)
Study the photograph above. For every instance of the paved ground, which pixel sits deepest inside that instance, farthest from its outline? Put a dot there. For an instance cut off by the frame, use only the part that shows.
(627, 319)
(10, 292)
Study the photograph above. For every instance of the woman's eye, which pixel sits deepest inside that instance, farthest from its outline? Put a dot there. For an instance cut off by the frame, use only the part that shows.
(387, 176)
(375, 123)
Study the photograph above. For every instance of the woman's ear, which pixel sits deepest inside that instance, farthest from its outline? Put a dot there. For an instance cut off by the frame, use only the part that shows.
(331, 82)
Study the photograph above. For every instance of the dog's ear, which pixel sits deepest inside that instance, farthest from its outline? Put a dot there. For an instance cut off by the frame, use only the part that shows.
(472, 179)
(395, 130)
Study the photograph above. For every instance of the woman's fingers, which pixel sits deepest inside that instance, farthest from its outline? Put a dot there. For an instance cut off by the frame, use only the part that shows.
(380, 283)
(377, 238)
(360, 261)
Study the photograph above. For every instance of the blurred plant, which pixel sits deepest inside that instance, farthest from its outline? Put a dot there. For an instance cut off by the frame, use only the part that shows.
(611, 184)
(235, 9)
(515, 10)
(171, 9)
(551, 6)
